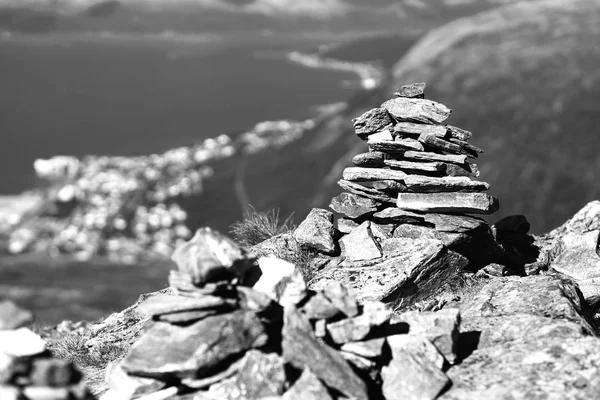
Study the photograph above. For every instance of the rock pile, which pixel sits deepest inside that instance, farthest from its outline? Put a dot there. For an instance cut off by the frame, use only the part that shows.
(233, 327)
(417, 175)
(27, 370)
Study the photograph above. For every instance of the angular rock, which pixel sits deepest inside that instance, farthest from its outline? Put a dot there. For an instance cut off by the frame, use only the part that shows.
(395, 146)
(442, 328)
(454, 223)
(416, 345)
(211, 256)
(281, 280)
(346, 225)
(307, 387)
(356, 174)
(370, 159)
(427, 184)
(254, 300)
(411, 272)
(409, 231)
(317, 231)
(476, 203)
(169, 304)
(414, 90)
(342, 298)
(371, 122)
(411, 129)
(513, 224)
(382, 232)
(13, 316)
(397, 215)
(301, 349)
(353, 206)
(129, 386)
(360, 245)
(466, 169)
(319, 306)
(198, 350)
(543, 295)
(415, 166)
(370, 193)
(468, 147)
(372, 348)
(384, 135)
(260, 376)
(357, 328)
(410, 376)
(458, 133)
(389, 187)
(21, 342)
(427, 156)
(441, 144)
(417, 110)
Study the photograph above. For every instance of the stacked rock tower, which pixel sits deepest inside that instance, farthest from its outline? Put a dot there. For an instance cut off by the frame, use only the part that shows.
(417, 178)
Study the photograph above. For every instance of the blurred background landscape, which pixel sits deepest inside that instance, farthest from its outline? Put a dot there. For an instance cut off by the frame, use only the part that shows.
(163, 105)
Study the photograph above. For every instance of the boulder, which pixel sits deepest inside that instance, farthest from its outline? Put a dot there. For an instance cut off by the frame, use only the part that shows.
(317, 231)
(352, 205)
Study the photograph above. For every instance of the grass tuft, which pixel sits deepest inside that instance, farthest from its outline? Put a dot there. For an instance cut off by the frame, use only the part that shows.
(256, 226)
(72, 347)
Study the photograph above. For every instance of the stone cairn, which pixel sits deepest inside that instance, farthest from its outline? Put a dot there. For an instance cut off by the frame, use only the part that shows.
(27, 369)
(415, 181)
(232, 327)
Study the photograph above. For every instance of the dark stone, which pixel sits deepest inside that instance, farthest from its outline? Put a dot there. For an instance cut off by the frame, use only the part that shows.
(170, 304)
(513, 224)
(441, 144)
(459, 133)
(414, 90)
(302, 350)
(467, 169)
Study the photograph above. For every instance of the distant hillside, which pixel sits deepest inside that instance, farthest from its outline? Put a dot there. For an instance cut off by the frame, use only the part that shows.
(523, 78)
(226, 16)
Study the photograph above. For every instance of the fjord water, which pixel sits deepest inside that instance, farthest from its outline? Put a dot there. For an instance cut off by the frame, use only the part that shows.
(139, 96)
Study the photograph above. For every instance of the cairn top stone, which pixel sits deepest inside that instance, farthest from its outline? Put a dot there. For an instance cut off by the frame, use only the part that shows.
(414, 90)
(212, 257)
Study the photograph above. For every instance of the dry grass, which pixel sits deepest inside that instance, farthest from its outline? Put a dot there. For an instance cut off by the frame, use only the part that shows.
(72, 347)
(256, 226)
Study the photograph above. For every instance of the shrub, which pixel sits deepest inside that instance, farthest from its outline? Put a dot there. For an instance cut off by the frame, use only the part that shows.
(256, 227)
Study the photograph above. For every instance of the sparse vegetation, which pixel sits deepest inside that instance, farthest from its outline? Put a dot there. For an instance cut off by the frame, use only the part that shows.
(257, 226)
(72, 347)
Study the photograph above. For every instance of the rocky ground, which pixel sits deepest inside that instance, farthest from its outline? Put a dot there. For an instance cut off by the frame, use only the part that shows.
(419, 300)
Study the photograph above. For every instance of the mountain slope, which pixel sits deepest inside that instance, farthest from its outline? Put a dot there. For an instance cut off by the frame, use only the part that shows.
(523, 78)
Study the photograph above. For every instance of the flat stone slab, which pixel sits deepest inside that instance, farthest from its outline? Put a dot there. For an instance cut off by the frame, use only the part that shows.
(370, 159)
(363, 191)
(441, 144)
(458, 133)
(415, 166)
(395, 146)
(459, 202)
(417, 110)
(371, 348)
(428, 156)
(427, 184)
(378, 279)
(412, 91)
(414, 130)
(358, 174)
(371, 122)
(352, 205)
(168, 304)
(194, 351)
